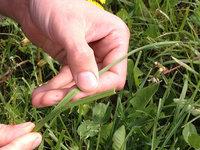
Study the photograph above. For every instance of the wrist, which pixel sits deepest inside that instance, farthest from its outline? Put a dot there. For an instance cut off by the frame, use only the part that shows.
(14, 9)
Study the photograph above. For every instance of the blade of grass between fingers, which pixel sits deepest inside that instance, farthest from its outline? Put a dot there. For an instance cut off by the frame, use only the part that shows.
(62, 106)
(90, 99)
(67, 98)
(57, 110)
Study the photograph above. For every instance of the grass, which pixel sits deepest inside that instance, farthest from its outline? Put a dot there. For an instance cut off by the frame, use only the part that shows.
(159, 107)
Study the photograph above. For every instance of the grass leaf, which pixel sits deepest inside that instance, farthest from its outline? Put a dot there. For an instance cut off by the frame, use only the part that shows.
(185, 66)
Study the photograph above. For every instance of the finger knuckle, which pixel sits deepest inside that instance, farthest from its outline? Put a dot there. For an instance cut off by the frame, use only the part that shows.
(121, 26)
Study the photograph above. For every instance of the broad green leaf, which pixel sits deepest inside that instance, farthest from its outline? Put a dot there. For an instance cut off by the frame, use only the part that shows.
(143, 96)
(188, 130)
(194, 141)
(119, 139)
(105, 131)
(98, 112)
(88, 129)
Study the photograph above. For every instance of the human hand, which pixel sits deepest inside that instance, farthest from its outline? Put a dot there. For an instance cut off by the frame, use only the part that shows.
(19, 137)
(84, 39)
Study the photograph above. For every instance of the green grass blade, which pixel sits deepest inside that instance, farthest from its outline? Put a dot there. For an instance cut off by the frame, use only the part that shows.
(51, 134)
(67, 99)
(185, 66)
(90, 99)
(185, 88)
(146, 47)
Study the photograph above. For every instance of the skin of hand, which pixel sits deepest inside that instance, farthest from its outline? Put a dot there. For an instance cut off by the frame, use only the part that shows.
(18, 137)
(83, 38)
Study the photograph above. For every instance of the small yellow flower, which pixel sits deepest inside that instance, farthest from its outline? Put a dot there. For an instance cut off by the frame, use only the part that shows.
(96, 3)
(102, 1)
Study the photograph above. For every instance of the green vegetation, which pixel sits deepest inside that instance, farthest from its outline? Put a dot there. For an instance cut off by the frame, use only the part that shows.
(159, 107)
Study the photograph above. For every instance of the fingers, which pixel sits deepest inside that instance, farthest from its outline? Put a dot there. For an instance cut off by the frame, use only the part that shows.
(26, 142)
(107, 81)
(63, 80)
(9, 132)
(49, 98)
(81, 60)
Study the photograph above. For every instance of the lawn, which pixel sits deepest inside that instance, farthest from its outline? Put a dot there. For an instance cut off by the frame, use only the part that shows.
(159, 107)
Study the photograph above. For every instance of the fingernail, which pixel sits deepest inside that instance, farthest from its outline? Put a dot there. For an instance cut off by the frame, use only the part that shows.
(37, 141)
(87, 81)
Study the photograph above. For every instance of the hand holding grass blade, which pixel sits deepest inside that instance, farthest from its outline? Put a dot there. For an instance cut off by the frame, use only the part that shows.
(65, 103)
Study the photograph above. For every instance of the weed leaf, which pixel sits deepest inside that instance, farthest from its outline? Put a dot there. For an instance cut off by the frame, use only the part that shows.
(88, 129)
(98, 112)
(194, 141)
(119, 139)
(105, 131)
(188, 130)
(143, 96)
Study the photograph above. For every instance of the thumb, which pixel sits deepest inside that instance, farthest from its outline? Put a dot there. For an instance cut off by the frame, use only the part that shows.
(10, 132)
(26, 142)
(82, 63)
